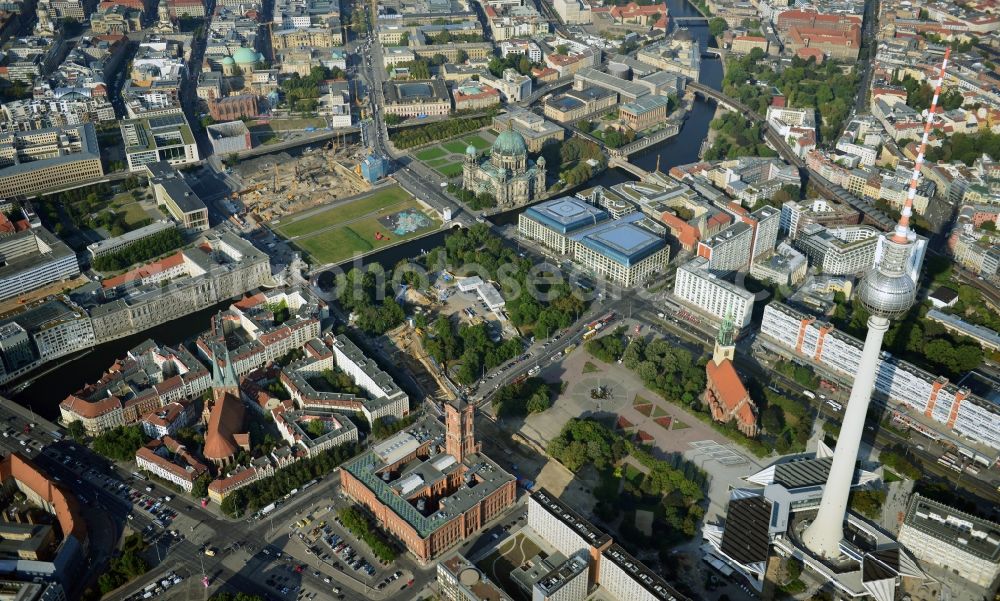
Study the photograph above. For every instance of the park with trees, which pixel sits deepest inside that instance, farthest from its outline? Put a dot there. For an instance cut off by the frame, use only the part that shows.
(139, 251)
(825, 87)
(633, 478)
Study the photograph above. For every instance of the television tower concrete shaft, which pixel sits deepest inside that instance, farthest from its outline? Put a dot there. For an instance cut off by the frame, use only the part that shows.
(887, 292)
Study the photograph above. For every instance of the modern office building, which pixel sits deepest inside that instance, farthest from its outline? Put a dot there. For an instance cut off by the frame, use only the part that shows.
(118, 243)
(415, 98)
(698, 287)
(56, 328)
(843, 250)
(166, 137)
(430, 486)
(952, 539)
(626, 251)
(172, 191)
(902, 385)
(228, 138)
(41, 159)
(33, 258)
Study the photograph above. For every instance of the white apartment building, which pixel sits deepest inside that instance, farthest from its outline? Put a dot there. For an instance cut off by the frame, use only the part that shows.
(765, 222)
(903, 385)
(783, 119)
(952, 539)
(628, 579)
(839, 250)
(117, 243)
(293, 425)
(729, 250)
(567, 531)
(695, 285)
(866, 154)
(566, 582)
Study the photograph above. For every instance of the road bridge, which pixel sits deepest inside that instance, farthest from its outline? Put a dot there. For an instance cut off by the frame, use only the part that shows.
(623, 163)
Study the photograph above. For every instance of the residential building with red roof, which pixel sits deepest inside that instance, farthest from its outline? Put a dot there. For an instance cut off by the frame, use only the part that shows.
(169, 460)
(651, 15)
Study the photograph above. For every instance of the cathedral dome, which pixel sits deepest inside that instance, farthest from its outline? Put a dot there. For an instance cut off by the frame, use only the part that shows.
(510, 143)
(228, 61)
(245, 56)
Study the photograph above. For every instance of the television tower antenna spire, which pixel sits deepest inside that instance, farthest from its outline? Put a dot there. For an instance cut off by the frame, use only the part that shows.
(902, 228)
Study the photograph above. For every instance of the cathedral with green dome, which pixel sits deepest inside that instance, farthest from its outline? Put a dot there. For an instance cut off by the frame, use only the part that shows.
(507, 173)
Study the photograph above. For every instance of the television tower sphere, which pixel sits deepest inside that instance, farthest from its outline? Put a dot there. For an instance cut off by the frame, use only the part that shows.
(887, 290)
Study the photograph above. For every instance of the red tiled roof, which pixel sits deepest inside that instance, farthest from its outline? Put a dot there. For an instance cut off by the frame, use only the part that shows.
(62, 501)
(225, 422)
(90, 409)
(724, 379)
(145, 271)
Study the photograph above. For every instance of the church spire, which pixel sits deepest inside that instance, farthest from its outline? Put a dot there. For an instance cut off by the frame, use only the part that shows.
(725, 348)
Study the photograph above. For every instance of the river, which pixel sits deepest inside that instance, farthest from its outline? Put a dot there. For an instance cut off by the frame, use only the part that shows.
(45, 394)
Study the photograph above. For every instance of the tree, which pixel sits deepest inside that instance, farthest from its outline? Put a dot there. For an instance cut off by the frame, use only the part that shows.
(199, 490)
(989, 226)
(76, 430)
(562, 49)
(316, 428)
(717, 25)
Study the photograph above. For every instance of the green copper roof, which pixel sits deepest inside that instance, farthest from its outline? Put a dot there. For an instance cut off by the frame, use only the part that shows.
(510, 143)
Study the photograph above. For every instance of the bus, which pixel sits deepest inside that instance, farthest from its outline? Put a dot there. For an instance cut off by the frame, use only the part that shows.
(139, 476)
(589, 334)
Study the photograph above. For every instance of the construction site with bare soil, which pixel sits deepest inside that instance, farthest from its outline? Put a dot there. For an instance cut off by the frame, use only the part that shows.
(280, 184)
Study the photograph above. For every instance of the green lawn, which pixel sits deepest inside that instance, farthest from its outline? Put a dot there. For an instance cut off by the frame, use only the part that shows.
(679, 425)
(450, 170)
(341, 243)
(309, 222)
(434, 152)
(476, 141)
(335, 245)
(437, 162)
(134, 213)
(297, 124)
(456, 146)
(589, 368)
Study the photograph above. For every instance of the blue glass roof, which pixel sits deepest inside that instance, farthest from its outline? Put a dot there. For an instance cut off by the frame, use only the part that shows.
(566, 214)
(621, 240)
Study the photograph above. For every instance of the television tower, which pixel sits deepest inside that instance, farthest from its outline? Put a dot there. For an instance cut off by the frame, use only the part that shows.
(887, 292)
